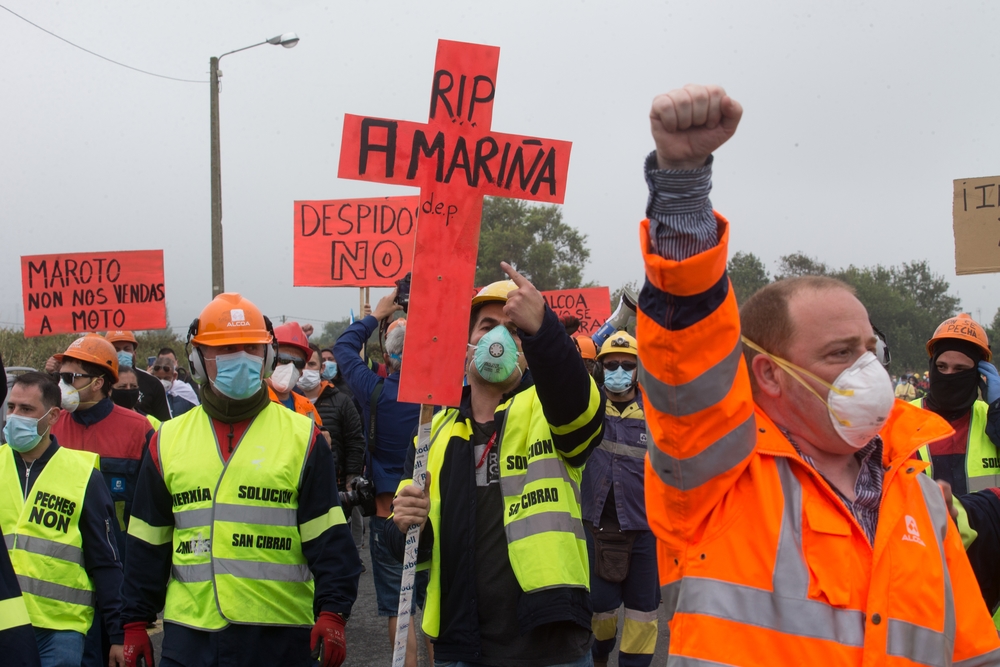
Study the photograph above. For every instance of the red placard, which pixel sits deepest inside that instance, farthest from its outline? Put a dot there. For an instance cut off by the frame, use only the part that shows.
(455, 159)
(591, 305)
(93, 291)
(354, 242)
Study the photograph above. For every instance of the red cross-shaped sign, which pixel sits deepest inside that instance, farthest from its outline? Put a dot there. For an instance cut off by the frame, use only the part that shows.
(455, 159)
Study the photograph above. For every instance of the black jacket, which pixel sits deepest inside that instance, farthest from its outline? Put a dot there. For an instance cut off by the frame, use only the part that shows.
(152, 396)
(563, 387)
(341, 420)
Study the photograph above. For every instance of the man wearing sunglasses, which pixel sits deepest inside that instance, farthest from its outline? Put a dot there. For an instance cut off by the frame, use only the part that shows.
(90, 421)
(622, 548)
(179, 395)
(293, 353)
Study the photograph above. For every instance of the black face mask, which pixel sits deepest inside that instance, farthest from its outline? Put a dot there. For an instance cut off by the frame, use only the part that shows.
(954, 393)
(127, 398)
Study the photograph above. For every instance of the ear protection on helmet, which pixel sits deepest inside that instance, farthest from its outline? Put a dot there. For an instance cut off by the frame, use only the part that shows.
(197, 361)
(271, 358)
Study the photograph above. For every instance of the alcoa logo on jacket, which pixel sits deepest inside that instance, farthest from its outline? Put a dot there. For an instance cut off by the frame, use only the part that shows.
(913, 533)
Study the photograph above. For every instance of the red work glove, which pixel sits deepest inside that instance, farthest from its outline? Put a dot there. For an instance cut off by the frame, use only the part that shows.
(138, 647)
(327, 640)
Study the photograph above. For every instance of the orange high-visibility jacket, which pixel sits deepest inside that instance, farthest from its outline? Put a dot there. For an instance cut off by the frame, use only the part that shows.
(303, 406)
(763, 564)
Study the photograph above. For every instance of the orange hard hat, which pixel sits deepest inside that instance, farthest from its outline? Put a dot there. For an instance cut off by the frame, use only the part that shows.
(588, 350)
(291, 333)
(121, 336)
(94, 349)
(400, 322)
(962, 327)
(230, 319)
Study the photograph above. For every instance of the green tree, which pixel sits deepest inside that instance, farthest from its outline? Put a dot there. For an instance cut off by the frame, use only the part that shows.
(906, 303)
(799, 264)
(533, 239)
(747, 273)
(993, 329)
(331, 332)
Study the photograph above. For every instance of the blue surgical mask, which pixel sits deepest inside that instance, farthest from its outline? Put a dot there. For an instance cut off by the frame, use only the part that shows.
(617, 381)
(125, 359)
(237, 375)
(496, 355)
(329, 370)
(21, 433)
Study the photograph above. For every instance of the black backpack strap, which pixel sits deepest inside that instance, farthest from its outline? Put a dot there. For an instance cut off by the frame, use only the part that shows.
(371, 412)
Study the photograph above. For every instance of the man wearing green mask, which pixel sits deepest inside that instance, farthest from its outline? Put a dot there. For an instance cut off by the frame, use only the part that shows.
(57, 521)
(509, 577)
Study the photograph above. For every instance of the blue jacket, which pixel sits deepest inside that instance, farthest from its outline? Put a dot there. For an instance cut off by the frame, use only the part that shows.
(620, 460)
(394, 421)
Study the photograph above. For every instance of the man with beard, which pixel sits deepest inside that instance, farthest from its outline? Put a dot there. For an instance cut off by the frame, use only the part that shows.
(509, 576)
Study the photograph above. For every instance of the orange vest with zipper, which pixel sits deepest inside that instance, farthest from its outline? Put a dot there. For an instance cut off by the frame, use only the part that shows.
(763, 564)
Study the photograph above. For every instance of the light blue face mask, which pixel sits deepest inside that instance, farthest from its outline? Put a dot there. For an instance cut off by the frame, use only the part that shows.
(618, 381)
(237, 375)
(496, 355)
(329, 370)
(125, 359)
(21, 433)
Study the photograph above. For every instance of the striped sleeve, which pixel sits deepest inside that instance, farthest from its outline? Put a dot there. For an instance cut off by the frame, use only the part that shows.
(679, 210)
(699, 409)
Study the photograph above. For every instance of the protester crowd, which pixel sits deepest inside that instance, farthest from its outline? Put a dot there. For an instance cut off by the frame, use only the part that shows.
(756, 472)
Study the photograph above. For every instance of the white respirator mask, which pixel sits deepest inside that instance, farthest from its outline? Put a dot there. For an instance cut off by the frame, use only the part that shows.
(859, 400)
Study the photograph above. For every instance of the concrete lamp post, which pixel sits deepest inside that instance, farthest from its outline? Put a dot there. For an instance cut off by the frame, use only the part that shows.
(287, 40)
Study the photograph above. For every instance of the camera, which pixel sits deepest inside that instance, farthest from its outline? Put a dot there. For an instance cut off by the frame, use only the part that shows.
(403, 292)
(361, 496)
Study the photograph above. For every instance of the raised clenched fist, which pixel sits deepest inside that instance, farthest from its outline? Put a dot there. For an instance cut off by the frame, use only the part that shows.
(689, 123)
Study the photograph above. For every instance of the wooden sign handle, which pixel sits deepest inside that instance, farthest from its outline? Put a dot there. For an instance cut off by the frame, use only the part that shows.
(412, 541)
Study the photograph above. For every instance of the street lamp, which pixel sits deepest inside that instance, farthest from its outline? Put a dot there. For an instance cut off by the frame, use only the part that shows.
(287, 40)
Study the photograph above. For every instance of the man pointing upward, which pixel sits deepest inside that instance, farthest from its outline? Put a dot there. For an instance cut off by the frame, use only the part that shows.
(509, 579)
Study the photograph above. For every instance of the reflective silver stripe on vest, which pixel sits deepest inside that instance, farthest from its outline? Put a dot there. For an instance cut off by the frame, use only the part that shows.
(914, 642)
(47, 589)
(624, 450)
(9, 541)
(190, 574)
(722, 455)
(983, 482)
(263, 571)
(990, 659)
(684, 661)
(538, 469)
(544, 522)
(702, 392)
(41, 546)
(270, 516)
(193, 518)
(787, 609)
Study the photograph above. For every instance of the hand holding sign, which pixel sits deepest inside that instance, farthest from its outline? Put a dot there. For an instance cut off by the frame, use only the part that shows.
(689, 123)
(525, 305)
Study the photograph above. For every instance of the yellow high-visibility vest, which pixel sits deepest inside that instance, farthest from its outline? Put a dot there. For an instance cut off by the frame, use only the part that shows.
(43, 536)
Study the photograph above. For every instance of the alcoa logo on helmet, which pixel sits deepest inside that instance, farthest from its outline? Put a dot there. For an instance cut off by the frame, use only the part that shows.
(237, 318)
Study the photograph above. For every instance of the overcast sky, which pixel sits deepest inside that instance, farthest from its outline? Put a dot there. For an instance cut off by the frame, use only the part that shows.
(858, 116)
